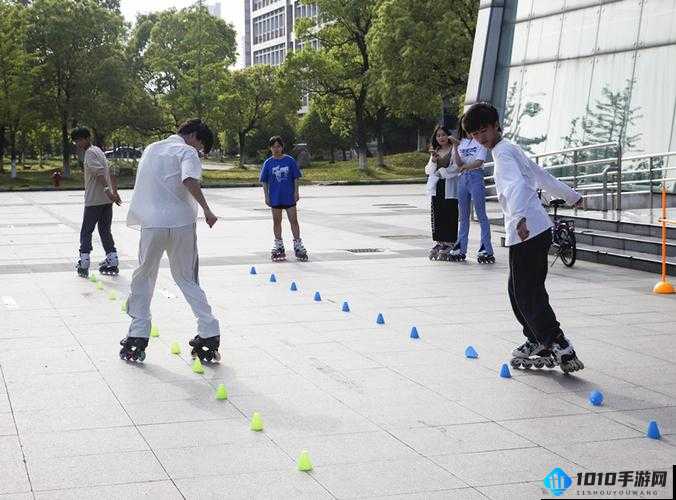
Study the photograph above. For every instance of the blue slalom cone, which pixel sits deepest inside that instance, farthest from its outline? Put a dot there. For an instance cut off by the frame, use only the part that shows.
(253, 270)
(318, 298)
(653, 430)
(294, 288)
(596, 398)
(273, 279)
(346, 307)
(414, 333)
(504, 371)
(380, 320)
(471, 353)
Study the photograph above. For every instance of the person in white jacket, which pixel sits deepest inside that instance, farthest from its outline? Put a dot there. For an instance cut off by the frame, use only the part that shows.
(528, 228)
(442, 187)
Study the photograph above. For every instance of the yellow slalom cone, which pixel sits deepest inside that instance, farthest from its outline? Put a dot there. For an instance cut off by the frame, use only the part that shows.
(221, 392)
(197, 366)
(92, 278)
(154, 331)
(175, 348)
(256, 422)
(123, 307)
(304, 463)
(112, 295)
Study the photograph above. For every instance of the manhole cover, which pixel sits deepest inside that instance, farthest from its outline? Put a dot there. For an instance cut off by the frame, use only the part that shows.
(365, 250)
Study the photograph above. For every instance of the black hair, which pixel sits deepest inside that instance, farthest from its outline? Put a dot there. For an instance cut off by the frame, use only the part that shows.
(462, 134)
(480, 115)
(202, 132)
(435, 144)
(276, 138)
(80, 133)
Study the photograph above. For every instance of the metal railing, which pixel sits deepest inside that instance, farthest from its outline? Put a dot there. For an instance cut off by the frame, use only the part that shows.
(614, 176)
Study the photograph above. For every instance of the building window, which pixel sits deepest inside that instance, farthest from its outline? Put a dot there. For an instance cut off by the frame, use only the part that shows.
(303, 10)
(259, 4)
(269, 26)
(272, 56)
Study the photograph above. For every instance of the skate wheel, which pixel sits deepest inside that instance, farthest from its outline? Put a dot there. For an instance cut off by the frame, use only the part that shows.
(515, 362)
(141, 356)
(539, 363)
(217, 357)
(207, 356)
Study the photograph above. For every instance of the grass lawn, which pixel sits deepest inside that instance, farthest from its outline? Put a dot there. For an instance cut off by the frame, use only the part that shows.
(400, 166)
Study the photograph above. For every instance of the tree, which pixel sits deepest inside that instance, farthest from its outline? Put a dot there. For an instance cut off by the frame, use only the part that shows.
(315, 130)
(71, 41)
(341, 66)
(514, 117)
(248, 97)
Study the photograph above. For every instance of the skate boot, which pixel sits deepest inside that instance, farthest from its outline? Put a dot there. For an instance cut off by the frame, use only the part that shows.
(564, 355)
(133, 348)
(278, 254)
(108, 266)
(532, 354)
(456, 255)
(445, 253)
(206, 349)
(483, 257)
(299, 250)
(434, 251)
(83, 265)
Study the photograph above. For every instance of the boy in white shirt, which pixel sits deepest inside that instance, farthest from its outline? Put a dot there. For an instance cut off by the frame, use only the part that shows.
(164, 205)
(528, 228)
(100, 194)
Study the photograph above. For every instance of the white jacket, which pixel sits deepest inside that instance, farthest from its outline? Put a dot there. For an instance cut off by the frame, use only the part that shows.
(450, 174)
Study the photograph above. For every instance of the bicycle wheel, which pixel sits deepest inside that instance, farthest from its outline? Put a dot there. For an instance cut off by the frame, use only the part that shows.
(567, 246)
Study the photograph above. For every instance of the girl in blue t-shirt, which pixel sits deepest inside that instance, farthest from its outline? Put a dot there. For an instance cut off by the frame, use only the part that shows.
(279, 177)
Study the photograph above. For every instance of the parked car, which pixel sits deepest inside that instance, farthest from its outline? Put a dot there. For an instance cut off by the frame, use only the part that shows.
(124, 152)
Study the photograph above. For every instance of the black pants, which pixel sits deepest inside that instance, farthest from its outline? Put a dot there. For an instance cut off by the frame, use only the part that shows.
(528, 265)
(101, 216)
(444, 215)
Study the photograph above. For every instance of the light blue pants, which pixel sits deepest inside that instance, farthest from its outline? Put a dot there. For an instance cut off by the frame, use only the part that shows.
(471, 189)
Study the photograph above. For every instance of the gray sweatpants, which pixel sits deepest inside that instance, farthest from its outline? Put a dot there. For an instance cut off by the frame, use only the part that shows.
(180, 243)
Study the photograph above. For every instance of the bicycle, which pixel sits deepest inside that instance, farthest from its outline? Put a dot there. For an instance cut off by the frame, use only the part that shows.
(563, 237)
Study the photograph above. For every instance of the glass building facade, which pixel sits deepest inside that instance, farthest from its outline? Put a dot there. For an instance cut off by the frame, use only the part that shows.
(569, 72)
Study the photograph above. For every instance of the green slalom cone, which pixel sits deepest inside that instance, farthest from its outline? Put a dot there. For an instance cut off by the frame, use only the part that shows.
(92, 278)
(304, 463)
(112, 295)
(221, 392)
(154, 331)
(256, 422)
(123, 307)
(175, 348)
(197, 366)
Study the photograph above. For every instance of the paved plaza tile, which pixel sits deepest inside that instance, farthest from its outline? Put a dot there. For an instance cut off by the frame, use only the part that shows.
(381, 415)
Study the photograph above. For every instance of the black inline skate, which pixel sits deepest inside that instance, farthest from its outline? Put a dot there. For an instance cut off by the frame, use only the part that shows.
(206, 349)
(483, 257)
(532, 355)
(434, 251)
(278, 253)
(108, 266)
(299, 250)
(564, 355)
(445, 253)
(83, 265)
(456, 254)
(133, 348)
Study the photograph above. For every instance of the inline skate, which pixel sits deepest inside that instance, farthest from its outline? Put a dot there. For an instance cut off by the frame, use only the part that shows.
(532, 355)
(109, 266)
(133, 348)
(483, 257)
(299, 250)
(206, 348)
(278, 254)
(434, 251)
(445, 253)
(457, 254)
(565, 356)
(83, 265)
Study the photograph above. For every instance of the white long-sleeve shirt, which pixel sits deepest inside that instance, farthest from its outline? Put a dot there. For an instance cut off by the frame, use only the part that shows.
(517, 179)
(450, 174)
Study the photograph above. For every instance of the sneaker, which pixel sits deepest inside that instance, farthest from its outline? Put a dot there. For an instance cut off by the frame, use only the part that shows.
(565, 356)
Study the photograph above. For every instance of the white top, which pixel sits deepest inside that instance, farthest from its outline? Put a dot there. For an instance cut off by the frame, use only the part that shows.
(450, 174)
(470, 151)
(96, 177)
(517, 179)
(160, 199)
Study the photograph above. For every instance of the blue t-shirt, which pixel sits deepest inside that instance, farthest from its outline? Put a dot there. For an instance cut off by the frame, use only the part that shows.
(280, 174)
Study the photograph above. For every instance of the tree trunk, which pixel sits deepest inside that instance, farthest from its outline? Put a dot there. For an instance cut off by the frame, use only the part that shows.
(2, 149)
(65, 148)
(422, 142)
(13, 152)
(381, 153)
(362, 138)
(242, 143)
(333, 154)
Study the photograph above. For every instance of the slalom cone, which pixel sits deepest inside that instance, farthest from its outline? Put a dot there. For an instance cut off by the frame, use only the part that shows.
(380, 320)
(221, 393)
(154, 331)
(304, 463)
(175, 348)
(653, 430)
(346, 307)
(92, 278)
(123, 307)
(414, 333)
(596, 398)
(256, 422)
(293, 288)
(252, 270)
(273, 278)
(99, 285)
(112, 295)
(663, 287)
(318, 297)
(471, 353)
(197, 366)
(504, 371)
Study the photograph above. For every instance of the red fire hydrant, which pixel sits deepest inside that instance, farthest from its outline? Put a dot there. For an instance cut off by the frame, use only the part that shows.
(56, 178)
